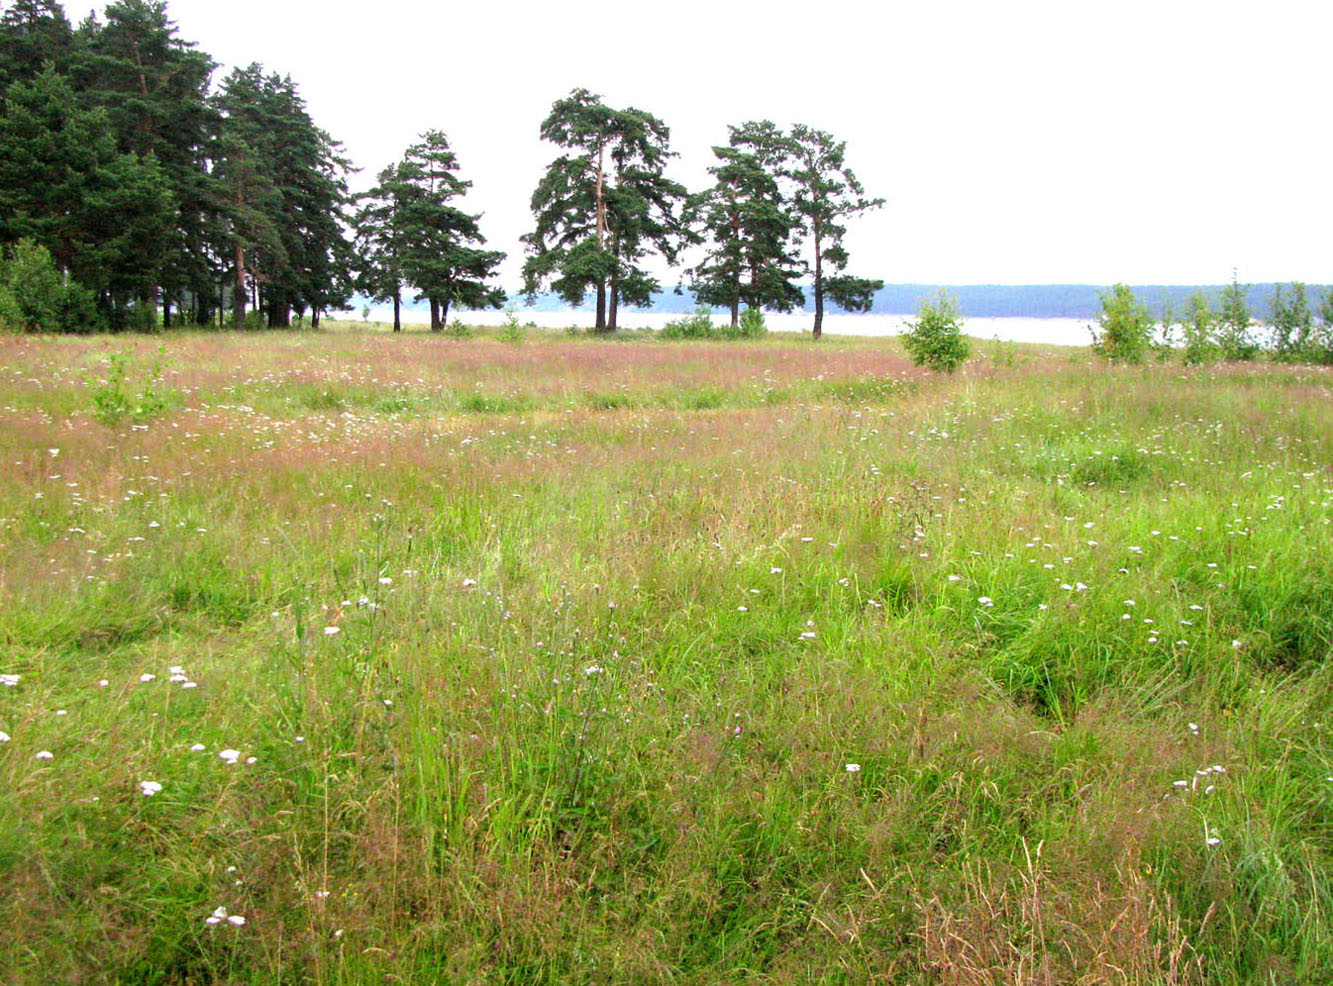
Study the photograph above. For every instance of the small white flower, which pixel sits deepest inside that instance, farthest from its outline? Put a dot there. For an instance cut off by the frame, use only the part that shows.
(9, 680)
(808, 635)
(853, 768)
(332, 631)
(742, 609)
(1212, 841)
(955, 578)
(230, 756)
(592, 669)
(235, 919)
(4, 736)
(102, 682)
(45, 755)
(985, 600)
(146, 677)
(198, 748)
(217, 917)
(775, 571)
(321, 894)
(190, 684)
(250, 760)
(469, 583)
(175, 669)
(149, 788)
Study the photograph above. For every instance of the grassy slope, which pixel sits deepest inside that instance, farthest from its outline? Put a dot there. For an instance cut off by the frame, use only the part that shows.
(614, 623)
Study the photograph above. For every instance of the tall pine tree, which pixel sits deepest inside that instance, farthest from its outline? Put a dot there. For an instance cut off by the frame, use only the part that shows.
(827, 193)
(440, 252)
(750, 226)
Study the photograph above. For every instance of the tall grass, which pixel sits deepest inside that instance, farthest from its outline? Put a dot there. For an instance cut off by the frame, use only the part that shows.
(580, 663)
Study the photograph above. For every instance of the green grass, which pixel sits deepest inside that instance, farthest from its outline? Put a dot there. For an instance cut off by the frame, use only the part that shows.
(614, 621)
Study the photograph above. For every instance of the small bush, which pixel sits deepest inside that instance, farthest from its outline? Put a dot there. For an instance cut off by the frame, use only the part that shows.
(1124, 328)
(936, 338)
(1200, 328)
(32, 290)
(752, 324)
(698, 325)
(112, 402)
(457, 330)
(1234, 322)
(513, 331)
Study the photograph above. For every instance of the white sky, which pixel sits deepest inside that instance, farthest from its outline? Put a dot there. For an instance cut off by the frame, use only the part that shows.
(1015, 142)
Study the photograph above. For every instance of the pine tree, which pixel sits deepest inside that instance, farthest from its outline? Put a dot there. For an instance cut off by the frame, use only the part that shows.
(103, 215)
(33, 33)
(285, 182)
(828, 193)
(153, 87)
(599, 212)
(750, 225)
(1234, 321)
(439, 244)
(379, 241)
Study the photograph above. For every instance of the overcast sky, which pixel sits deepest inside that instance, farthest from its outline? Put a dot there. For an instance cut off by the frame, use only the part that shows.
(1018, 142)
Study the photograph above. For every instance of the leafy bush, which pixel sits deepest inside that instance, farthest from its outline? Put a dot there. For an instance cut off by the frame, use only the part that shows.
(936, 338)
(32, 290)
(512, 331)
(111, 401)
(698, 325)
(752, 324)
(1200, 328)
(457, 330)
(1234, 323)
(1124, 328)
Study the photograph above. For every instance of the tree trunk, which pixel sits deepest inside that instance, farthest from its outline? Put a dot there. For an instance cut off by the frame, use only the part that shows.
(601, 306)
(238, 302)
(614, 307)
(819, 287)
(444, 313)
(314, 318)
(397, 311)
(735, 310)
(435, 324)
(166, 314)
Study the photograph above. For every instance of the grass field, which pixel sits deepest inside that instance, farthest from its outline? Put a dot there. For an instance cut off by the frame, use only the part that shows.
(588, 661)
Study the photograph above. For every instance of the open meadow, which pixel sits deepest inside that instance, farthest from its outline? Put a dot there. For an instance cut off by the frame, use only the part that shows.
(345, 657)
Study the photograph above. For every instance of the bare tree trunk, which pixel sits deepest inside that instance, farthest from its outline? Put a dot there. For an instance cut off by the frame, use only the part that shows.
(397, 311)
(601, 306)
(435, 324)
(819, 287)
(238, 302)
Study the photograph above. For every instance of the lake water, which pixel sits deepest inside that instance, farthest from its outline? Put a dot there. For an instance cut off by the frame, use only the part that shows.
(1048, 331)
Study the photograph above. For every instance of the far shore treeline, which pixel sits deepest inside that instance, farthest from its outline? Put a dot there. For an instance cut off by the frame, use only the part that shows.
(138, 192)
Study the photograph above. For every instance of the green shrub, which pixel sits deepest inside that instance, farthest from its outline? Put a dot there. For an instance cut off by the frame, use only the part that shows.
(1124, 328)
(698, 325)
(752, 324)
(112, 401)
(513, 331)
(457, 330)
(1200, 328)
(936, 338)
(32, 290)
(1234, 323)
